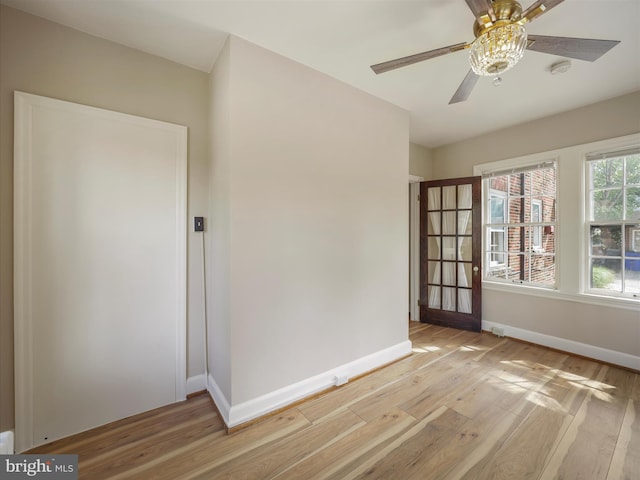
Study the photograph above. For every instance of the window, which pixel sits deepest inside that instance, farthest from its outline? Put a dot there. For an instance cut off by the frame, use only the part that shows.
(497, 234)
(613, 223)
(536, 217)
(519, 213)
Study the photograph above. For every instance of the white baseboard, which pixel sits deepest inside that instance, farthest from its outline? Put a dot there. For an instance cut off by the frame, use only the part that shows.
(6, 443)
(234, 415)
(584, 349)
(219, 399)
(195, 384)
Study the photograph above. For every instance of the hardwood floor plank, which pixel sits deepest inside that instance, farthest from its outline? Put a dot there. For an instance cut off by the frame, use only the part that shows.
(430, 345)
(364, 441)
(128, 456)
(529, 448)
(568, 386)
(289, 451)
(208, 452)
(463, 405)
(356, 469)
(352, 392)
(468, 446)
(587, 448)
(187, 424)
(404, 455)
(625, 464)
(415, 327)
(122, 428)
(442, 385)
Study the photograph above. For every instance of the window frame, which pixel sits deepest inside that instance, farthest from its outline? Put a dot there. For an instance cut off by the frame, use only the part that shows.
(570, 246)
(624, 223)
(500, 231)
(635, 240)
(509, 168)
(536, 237)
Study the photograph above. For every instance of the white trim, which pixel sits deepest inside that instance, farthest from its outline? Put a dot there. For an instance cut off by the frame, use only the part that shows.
(181, 259)
(414, 251)
(518, 162)
(215, 392)
(6, 443)
(586, 350)
(195, 383)
(235, 415)
(543, 292)
(537, 230)
(608, 147)
(24, 104)
(490, 228)
(414, 246)
(23, 338)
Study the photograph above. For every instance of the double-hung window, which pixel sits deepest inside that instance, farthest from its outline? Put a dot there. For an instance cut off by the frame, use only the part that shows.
(497, 232)
(520, 225)
(613, 223)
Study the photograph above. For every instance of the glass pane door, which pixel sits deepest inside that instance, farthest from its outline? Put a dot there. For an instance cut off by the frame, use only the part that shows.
(450, 269)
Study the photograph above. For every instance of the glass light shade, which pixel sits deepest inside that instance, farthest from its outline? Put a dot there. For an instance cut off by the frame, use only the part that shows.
(498, 49)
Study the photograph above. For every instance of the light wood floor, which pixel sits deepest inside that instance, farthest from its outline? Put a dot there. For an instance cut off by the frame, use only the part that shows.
(464, 405)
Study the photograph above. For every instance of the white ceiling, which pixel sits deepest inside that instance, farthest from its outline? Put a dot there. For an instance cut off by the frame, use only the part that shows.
(342, 38)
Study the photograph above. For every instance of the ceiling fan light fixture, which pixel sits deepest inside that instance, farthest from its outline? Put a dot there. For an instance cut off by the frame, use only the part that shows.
(498, 49)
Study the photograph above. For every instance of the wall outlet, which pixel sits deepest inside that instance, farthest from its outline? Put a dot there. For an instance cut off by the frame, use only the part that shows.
(497, 331)
(198, 224)
(340, 380)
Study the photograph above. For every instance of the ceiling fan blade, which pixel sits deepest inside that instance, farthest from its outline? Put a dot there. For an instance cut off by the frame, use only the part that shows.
(538, 8)
(418, 57)
(464, 90)
(480, 9)
(588, 49)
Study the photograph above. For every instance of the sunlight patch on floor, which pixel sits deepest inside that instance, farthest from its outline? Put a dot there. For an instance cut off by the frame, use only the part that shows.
(545, 401)
(473, 348)
(596, 388)
(426, 349)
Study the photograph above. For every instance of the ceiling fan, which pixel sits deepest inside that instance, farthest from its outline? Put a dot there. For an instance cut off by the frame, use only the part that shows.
(501, 40)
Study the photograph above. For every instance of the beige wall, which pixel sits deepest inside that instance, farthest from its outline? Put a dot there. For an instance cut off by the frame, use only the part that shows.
(566, 138)
(317, 216)
(44, 58)
(219, 231)
(37, 56)
(420, 161)
(612, 118)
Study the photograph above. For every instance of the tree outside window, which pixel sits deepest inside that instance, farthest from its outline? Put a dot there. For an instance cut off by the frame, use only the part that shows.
(614, 217)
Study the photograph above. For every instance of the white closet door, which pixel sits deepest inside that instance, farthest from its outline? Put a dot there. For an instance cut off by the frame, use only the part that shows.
(100, 255)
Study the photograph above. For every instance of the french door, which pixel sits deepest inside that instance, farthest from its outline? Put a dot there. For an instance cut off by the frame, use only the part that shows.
(451, 253)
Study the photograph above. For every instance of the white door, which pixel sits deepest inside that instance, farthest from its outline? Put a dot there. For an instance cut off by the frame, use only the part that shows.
(100, 230)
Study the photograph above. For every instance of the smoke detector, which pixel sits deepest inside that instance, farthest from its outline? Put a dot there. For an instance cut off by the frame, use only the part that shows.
(560, 67)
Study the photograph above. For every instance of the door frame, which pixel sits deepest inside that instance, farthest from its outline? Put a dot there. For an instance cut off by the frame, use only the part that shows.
(414, 247)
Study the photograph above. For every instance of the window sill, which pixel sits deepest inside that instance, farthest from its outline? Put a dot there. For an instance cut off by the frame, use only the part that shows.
(588, 298)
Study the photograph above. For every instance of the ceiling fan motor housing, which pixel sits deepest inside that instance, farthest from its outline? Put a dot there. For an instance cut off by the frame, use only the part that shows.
(499, 42)
(506, 12)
